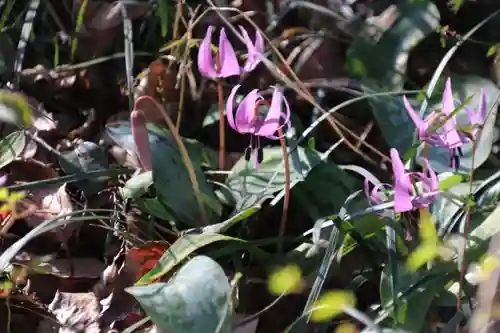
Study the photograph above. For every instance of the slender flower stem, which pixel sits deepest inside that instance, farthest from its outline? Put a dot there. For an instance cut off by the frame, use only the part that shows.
(286, 199)
(222, 142)
(463, 264)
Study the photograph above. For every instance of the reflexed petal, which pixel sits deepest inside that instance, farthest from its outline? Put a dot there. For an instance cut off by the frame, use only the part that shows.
(272, 121)
(419, 123)
(402, 184)
(245, 117)
(227, 57)
(230, 107)
(366, 189)
(253, 49)
(376, 194)
(447, 104)
(205, 58)
(3, 180)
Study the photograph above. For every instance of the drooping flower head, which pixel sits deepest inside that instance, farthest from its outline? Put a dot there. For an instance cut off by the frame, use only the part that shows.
(225, 63)
(248, 119)
(476, 120)
(253, 50)
(406, 195)
(430, 131)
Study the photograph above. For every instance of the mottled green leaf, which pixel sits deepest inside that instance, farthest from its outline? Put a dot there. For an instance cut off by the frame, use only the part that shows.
(196, 300)
(11, 147)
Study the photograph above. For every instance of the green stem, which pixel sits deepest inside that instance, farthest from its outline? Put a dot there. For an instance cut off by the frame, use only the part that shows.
(463, 264)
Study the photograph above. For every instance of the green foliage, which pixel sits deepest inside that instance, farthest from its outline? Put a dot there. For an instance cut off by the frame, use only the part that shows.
(197, 300)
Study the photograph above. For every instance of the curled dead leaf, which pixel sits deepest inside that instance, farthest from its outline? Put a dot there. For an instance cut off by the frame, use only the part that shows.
(51, 202)
(76, 312)
(42, 204)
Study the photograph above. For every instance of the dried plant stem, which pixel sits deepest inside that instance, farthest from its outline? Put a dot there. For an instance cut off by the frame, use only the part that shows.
(183, 151)
(286, 198)
(463, 264)
(222, 140)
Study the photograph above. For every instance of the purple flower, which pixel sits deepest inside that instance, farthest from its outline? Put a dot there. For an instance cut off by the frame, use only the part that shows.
(476, 120)
(406, 196)
(226, 63)
(448, 135)
(248, 119)
(254, 50)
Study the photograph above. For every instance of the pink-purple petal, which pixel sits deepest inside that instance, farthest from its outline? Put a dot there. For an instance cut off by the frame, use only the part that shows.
(227, 57)
(253, 49)
(447, 104)
(205, 59)
(419, 123)
(246, 116)
(230, 107)
(3, 180)
(402, 184)
(272, 121)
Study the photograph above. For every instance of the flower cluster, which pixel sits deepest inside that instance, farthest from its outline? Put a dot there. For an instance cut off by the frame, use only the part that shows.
(245, 117)
(439, 129)
(226, 62)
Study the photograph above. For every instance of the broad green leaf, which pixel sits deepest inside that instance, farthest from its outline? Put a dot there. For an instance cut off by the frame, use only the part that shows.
(11, 147)
(137, 186)
(248, 184)
(86, 157)
(7, 54)
(155, 207)
(163, 13)
(389, 38)
(416, 292)
(180, 250)
(170, 176)
(196, 300)
(14, 109)
(235, 219)
(488, 227)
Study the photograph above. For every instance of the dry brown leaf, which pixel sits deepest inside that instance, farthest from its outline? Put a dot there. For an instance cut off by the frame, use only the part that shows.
(51, 202)
(44, 203)
(76, 312)
(82, 267)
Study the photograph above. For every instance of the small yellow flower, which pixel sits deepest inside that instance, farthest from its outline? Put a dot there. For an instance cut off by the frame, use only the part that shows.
(9, 199)
(346, 328)
(285, 280)
(488, 264)
(331, 304)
